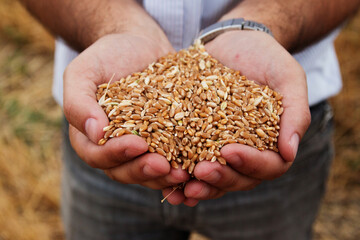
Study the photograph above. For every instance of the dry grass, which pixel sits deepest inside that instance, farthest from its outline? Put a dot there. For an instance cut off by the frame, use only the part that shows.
(29, 140)
(30, 136)
(18, 26)
(339, 217)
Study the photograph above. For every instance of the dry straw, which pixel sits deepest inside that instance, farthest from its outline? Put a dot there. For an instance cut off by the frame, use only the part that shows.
(187, 106)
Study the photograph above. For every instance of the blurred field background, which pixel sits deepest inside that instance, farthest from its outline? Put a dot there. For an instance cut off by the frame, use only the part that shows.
(30, 135)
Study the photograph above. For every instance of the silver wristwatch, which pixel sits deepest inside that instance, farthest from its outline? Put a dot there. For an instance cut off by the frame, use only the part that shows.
(218, 28)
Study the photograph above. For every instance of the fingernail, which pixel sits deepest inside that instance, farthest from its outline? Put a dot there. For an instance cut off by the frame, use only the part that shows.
(148, 171)
(294, 144)
(91, 129)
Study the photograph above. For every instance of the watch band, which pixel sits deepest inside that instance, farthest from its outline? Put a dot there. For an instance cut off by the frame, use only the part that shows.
(214, 30)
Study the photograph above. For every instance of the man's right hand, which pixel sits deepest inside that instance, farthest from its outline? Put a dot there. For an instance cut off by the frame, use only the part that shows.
(124, 159)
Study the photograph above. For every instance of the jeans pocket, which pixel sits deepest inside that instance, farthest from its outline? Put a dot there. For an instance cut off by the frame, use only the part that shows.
(321, 121)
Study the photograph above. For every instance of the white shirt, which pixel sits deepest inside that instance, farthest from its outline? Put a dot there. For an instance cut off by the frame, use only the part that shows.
(182, 20)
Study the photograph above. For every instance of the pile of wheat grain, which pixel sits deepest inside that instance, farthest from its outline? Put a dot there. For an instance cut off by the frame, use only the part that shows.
(187, 106)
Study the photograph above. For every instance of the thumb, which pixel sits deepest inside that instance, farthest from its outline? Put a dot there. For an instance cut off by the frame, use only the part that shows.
(293, 126)
(294, 122)
(296, 118)
(80, 106)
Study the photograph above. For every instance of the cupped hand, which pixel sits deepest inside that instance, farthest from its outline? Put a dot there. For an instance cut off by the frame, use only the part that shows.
(259, 57)
(124, 159)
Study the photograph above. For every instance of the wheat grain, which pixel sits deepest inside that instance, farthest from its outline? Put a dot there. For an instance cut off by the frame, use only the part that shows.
(187, 106)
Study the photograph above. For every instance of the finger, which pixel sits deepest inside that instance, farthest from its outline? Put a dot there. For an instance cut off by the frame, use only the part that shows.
(115, 152)
(199, 190)
(174, 178)
(139, 170)
(176, 197)
(224, 177)
(254, 163)
(173, 196)
(191, 202)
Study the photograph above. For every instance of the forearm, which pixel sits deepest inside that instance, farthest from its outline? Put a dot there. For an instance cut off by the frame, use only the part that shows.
(81, 23)
(297, 23)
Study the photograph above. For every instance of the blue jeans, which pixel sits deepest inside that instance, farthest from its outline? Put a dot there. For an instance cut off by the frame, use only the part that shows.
(97, 208)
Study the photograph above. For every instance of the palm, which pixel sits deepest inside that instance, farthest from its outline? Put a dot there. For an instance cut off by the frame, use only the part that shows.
(123, 158)
(120, 54)
(259, 57)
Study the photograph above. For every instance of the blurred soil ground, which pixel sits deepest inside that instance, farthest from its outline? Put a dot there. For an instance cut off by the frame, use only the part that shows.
(30, 135)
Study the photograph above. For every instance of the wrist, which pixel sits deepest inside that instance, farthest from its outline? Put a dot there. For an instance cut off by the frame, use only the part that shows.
(236, 24)
(122, 17)
(152, 32)
(273, 15)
